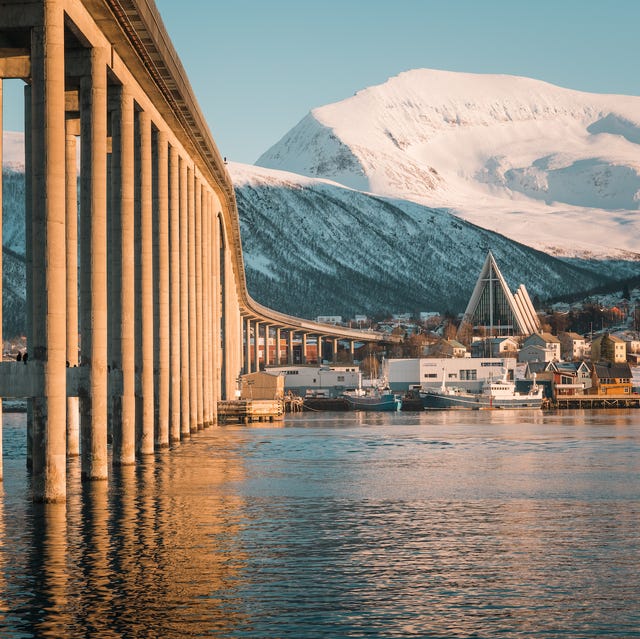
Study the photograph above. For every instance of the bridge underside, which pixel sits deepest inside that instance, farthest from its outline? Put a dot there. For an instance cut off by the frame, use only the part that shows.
(136, 300)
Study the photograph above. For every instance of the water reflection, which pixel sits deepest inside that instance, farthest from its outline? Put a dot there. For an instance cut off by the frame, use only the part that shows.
(333, 526)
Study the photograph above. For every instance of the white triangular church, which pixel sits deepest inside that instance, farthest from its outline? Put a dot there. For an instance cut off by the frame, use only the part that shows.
(493, 307)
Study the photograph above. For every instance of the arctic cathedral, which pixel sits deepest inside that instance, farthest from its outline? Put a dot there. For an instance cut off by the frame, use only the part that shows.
(495, 309)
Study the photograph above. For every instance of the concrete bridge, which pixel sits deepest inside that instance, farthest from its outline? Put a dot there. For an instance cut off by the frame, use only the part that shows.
(141, 336)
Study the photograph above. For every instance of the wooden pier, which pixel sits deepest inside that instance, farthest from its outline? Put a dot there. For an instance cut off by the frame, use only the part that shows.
(250, 410)
(597, 401)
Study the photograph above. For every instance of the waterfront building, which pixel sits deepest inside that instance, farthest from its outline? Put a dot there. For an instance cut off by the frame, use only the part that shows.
(611, 378)
(323, 381)
(462, 372)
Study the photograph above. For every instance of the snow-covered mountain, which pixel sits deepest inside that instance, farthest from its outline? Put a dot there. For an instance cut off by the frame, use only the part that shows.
(553, 168)
(314, 247)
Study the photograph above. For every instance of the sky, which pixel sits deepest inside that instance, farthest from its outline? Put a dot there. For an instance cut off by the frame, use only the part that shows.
(257, 67)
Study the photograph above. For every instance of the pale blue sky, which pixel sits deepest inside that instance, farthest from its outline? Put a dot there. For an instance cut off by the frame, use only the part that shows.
(258, 66)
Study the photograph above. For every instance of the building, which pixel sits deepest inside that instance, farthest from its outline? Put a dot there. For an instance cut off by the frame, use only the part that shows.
(608, 348)
(570, 378)
(572, 346)
(462, 372)
(611, 378)
(534, 353)
(329, 319)
(325, 381)
(547, 341)
(494, 309)
(494, 347)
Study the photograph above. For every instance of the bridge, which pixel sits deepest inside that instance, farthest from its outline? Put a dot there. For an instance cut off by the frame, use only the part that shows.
(138, 316)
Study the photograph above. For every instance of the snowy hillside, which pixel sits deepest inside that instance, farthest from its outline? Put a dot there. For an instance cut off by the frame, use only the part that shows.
(556, 169)
(314, 247)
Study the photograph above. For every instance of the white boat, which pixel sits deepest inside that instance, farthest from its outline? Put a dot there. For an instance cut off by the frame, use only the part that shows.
(494, 394)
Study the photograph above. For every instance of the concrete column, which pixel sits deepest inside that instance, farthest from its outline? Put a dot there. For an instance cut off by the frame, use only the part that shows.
(71, 225)
(303, 350)
(290, 348)
(28, 219)
(145, 365)
(161, 277)
(334, 350)
(319, 350)
(185, 408)
(266, 345)
(256, 346)
(247, 346)
(93, 262)
(198, 292)
(216, 291)
(123, 311)
(352, 349)
(48, 295)
(193, 343)
(206, 285)
(278, 346)
(174, 296)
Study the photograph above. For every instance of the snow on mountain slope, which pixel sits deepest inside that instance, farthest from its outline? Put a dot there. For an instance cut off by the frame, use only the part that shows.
(314, 247)
(553, 168)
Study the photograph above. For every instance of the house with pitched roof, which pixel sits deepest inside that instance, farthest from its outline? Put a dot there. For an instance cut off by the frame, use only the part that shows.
(546, 341)
(608, 348)
(572, 346)
(611, 378)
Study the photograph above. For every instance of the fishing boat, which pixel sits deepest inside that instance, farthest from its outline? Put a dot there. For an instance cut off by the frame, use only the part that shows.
(494, 394)
(373, 399)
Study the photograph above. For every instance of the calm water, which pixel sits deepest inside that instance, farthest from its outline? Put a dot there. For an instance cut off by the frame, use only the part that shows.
(513, 524)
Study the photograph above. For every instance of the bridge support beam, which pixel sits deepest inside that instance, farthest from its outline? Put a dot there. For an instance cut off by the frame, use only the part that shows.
(122, 278)
(47, 299)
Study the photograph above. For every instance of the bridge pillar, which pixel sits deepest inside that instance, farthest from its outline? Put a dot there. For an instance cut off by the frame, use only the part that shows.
(71, 230)
(278, 346)
(47, 300)
(247, 346)
(267, 358)
(161, 292)
(290, 348)
(334, 350)
(319, 349)
(198, 292)
(303, 349)
(185, 376)
(144, 293)
(256, 346)
(174, 295)
(193, 344)
(123, 355)
(352, 349)
(93, 265)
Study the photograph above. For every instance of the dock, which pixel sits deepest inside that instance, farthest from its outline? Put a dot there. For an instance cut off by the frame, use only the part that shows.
(250, 410)
(597, 401)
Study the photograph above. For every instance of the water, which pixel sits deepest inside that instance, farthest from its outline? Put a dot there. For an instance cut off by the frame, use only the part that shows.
(486, 524)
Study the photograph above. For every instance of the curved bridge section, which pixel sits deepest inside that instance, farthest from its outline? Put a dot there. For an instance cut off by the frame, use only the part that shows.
(139, 319)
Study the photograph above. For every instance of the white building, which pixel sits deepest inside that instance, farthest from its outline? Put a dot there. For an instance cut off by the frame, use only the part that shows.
(323, 381)
(462, 372)
(329, 319)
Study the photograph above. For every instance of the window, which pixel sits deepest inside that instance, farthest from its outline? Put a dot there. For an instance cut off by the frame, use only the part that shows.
(469, 374)
(430, 375)
(341, 378)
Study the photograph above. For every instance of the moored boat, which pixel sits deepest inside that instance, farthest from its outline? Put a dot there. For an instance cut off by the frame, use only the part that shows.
(373, 400)
(494, 394)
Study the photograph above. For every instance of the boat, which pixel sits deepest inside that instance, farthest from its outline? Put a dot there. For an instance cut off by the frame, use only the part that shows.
(373, 399)
(494, 394)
